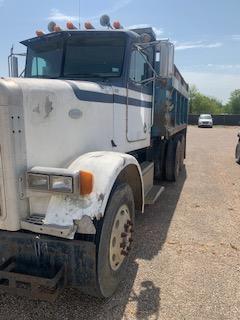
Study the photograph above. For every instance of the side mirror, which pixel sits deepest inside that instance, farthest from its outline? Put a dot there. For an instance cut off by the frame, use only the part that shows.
(13, 67)
(166, 55)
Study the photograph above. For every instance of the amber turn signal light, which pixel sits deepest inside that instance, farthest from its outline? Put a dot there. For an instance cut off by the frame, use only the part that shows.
(86, 182)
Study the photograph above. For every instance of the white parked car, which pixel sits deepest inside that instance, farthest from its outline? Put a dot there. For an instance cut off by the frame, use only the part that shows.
(205, 120)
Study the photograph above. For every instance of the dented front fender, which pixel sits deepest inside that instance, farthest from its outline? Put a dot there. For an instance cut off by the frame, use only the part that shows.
(70, 210)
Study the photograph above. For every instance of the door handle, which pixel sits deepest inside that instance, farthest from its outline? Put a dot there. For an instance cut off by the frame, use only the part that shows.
(145, 127)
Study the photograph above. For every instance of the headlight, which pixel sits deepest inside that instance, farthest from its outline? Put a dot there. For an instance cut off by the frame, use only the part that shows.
(47, 179)
(61, 184)
(38, 181)
(53, 180)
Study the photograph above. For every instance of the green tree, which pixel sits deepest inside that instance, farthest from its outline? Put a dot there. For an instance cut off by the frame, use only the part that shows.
(234, 102)
(192, 94)
(199, 103)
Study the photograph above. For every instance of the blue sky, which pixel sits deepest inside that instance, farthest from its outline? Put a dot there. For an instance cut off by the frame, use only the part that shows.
(206, 33)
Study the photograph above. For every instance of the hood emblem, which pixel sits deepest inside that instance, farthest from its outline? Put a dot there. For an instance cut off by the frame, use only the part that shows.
(75, 113)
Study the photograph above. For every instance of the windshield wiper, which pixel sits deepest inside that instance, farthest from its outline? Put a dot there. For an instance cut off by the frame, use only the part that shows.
(45, 77)
(89, 75)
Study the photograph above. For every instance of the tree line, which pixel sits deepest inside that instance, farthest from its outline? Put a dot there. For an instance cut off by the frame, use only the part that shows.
(199, 103)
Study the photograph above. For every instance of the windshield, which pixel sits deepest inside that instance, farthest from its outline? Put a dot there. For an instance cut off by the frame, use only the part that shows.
(44, 61)
(91, 57)
(205, 116)
(79, 56)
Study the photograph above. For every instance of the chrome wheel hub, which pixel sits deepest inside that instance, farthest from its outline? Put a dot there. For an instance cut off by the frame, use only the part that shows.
(121, 237)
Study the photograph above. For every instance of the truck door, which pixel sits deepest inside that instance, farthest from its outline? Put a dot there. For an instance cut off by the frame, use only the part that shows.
(139, 98)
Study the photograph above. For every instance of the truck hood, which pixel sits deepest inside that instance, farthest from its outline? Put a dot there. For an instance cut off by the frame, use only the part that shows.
(57, 112)
(10, 88)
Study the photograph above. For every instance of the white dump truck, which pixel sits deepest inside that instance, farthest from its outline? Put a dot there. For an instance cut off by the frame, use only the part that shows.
(99, 117)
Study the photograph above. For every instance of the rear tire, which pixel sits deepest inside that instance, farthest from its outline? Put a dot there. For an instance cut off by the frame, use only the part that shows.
(116, 231)
(182, 152)
(173, 160)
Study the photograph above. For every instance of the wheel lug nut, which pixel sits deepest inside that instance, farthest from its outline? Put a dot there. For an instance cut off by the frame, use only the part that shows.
(129, 222)
(124, 253)
(123, 234)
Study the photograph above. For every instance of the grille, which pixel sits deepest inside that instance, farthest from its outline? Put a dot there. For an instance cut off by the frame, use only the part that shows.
(36, 219)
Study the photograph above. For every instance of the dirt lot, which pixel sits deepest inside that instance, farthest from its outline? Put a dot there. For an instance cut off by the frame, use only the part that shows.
(186, 262)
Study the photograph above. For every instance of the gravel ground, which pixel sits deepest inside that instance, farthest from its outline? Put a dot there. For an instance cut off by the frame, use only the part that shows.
(186, 259)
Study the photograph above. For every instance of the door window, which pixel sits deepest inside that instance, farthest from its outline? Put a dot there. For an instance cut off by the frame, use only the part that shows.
(38, 66)
(139, 69)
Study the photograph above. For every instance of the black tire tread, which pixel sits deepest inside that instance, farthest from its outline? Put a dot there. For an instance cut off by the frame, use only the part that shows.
(108, 280)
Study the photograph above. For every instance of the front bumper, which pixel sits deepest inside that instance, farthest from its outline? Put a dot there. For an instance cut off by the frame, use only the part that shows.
(205, 125)
(39, 266)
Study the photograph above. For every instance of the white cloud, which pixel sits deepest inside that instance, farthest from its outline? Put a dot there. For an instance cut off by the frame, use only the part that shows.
(218, 68)
(196, 45)
(232, 67)
(236, 37)
(119, 5)
(158, 31)
(137, 26)
(57, 15)
(212, 84)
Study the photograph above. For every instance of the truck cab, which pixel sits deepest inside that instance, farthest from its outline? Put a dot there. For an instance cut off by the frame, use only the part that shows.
(98, 117)
(106, 62)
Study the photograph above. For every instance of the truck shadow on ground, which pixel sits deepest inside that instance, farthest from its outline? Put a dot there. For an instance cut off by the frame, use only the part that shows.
(150, 235)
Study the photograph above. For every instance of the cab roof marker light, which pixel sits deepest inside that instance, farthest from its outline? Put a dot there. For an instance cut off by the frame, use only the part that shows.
(51, 26)
(88, 25)
(117, 25)
(57, 29)
(71, 26)
(39, 33)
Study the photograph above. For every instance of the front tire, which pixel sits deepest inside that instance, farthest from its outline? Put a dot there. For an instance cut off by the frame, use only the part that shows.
(115, 239)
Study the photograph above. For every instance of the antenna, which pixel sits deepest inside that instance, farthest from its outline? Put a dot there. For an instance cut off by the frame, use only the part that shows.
(79, 11)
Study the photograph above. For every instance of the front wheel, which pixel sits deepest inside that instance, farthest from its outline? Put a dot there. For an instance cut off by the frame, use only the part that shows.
(115, 239)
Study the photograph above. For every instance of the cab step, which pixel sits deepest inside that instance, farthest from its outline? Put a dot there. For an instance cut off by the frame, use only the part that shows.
(151, 191)
(153, 194)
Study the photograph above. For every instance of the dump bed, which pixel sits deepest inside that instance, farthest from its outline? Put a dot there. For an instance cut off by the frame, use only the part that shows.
(170, 113)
